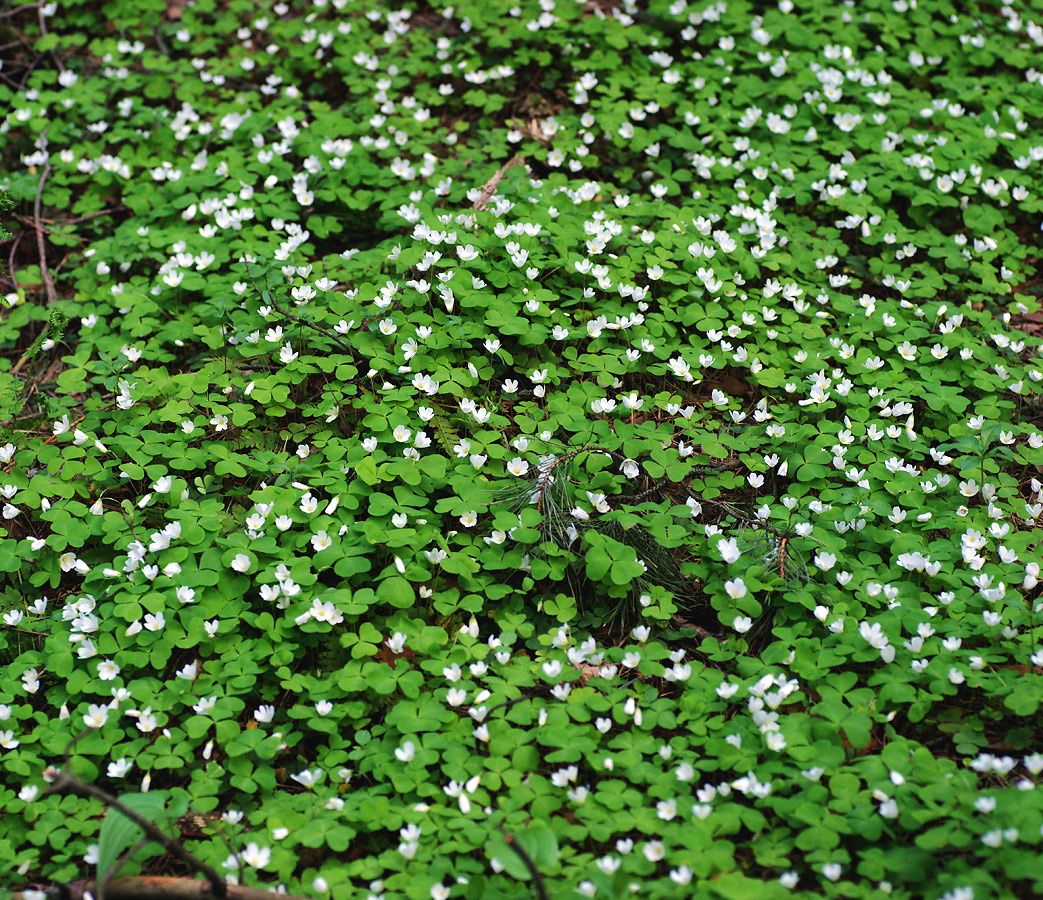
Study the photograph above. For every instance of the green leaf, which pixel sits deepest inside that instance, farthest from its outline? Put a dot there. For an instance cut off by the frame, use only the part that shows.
(397, 592)
(537, 840)
(367, 470)
(118, 833)
(597, 562)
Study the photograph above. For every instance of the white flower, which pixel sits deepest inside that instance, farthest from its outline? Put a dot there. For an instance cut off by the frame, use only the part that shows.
(667, 809)
(736, 589)
(241, 563)
(682, 875)
(146, 720)
(256, 856)
(307, 777)
(119, 768)
(518, 466)
(729, 549)
(825, 561)
(96, 716)
(742, 624)
(833, 871)
(654, 851)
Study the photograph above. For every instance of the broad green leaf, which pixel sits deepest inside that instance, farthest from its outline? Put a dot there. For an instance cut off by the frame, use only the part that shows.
(118, 833)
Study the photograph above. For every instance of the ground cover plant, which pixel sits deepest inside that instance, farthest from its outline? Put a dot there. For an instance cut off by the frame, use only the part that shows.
(609, 430)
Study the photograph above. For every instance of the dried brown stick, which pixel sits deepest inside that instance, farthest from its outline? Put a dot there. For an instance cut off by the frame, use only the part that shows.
(150, 887)
(40, 242)
(67, 783)
(297, 319)
(63, 222)
(541, 891)
(489, 188)
(18, 9)
(10, 258)
(42, 19)
(113, 870)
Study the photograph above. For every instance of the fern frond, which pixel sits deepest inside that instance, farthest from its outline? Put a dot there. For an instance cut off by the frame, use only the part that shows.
(445, 433)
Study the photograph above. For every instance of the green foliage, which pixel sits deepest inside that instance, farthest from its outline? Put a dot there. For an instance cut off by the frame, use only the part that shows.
(118, 833)
(5, 204)
(604, 430)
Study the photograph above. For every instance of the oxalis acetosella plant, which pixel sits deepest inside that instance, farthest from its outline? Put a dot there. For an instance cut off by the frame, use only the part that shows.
(521, 449)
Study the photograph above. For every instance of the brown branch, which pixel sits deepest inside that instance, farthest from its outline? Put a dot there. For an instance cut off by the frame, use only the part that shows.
(42, 19)
(18, 9)
(489, 188)
(29, 71)
(10, 81)
(70, 784)
(61, 223)
(541, 890)
(298, 319)
(33, 633)
(151, 887)
(114, 209)
(113, 870)
(66, 783)
(10, 258)
(40, 242)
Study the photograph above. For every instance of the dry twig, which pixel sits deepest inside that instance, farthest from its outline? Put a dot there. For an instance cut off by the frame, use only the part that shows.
(149, 887)
(18, 9)
(67, 783)
(489, 188)
(40, 242)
